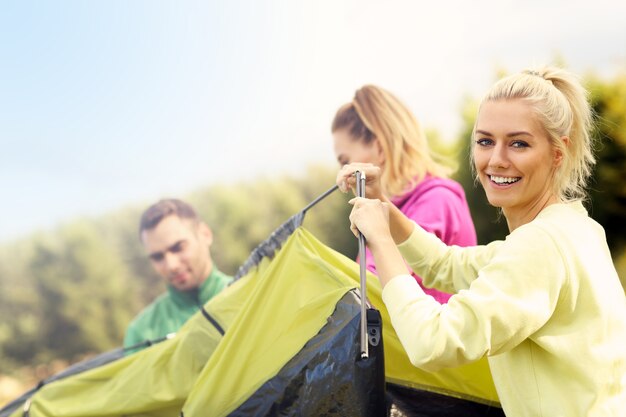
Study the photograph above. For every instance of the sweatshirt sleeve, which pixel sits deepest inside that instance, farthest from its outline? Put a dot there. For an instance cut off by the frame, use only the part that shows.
(447, 268)
(512, 297)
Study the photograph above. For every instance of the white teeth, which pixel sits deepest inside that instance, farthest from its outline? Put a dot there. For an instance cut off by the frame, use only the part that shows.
(504, 180)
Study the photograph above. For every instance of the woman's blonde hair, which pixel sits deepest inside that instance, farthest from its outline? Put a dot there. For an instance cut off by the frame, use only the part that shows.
(560, 102)
(374, 113)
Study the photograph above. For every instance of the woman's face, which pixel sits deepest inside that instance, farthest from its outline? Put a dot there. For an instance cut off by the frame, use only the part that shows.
(348, 150)
(514, 158)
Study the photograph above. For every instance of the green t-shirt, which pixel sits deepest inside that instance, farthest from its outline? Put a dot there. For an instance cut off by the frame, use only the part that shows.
(172, 309)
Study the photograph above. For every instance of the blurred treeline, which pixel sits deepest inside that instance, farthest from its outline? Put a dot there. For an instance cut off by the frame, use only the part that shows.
(71, 291)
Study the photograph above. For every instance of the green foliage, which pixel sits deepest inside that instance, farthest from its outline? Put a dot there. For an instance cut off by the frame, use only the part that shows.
(79, 297)
(121, 229)
(19, 303)
(608, 193)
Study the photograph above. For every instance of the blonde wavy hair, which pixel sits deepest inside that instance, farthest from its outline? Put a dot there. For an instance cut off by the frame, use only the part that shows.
(376, 114)
(561, 104)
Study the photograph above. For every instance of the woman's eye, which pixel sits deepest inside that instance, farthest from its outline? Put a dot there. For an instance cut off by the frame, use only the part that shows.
(519, 144)
(484, 142)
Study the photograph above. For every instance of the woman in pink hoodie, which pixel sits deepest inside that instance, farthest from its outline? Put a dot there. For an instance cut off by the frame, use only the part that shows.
(377, 128)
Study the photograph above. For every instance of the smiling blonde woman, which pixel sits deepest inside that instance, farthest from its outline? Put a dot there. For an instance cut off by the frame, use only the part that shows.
(545, 305)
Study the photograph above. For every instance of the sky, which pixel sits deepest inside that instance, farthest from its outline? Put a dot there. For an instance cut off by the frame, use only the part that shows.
(109, 103)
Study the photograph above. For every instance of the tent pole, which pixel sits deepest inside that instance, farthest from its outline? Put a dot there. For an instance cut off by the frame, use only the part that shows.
(320, 198)
(360, 191)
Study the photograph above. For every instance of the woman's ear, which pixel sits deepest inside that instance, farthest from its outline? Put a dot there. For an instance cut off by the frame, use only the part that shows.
(380, 152)
(558, 151)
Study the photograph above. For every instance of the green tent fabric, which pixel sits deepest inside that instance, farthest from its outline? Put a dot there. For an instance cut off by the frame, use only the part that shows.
(269, 316)
(154, 382)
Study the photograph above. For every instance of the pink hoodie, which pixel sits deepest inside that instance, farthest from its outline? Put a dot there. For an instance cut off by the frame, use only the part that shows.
(439, 206)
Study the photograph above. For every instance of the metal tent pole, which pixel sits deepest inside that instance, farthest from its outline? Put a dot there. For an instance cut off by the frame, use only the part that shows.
(360, 191)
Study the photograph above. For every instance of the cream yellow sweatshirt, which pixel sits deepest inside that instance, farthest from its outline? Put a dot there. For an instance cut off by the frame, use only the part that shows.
(545, 305)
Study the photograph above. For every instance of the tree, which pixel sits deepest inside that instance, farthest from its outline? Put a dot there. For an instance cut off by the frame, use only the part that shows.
(608, 192)
(83, 297)
(19, 305)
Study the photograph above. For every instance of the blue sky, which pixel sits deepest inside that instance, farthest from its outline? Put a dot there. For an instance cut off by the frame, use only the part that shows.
(117, 102)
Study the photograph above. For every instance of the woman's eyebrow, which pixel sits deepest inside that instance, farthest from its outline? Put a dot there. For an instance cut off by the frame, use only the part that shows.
(511, 134)
(519, 133)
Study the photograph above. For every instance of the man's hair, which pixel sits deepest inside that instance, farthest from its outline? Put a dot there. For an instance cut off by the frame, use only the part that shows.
(163, 208)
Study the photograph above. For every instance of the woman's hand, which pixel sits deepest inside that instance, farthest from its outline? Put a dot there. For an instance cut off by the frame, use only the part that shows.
(371, 218)
(347, 180)
(387, 218)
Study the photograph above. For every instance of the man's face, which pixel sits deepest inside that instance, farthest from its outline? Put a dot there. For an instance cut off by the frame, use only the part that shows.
(179, 251)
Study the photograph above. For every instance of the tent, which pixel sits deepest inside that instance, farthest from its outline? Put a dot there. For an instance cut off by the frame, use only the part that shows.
(281, 340)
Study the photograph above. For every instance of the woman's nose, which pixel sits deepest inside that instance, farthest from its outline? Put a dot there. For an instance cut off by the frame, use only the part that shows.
(499, 157)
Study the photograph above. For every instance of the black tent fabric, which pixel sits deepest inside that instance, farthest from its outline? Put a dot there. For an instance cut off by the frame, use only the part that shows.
(328, 377)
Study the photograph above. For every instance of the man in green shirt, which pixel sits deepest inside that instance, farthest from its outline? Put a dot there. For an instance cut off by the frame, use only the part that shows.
(178, 244)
